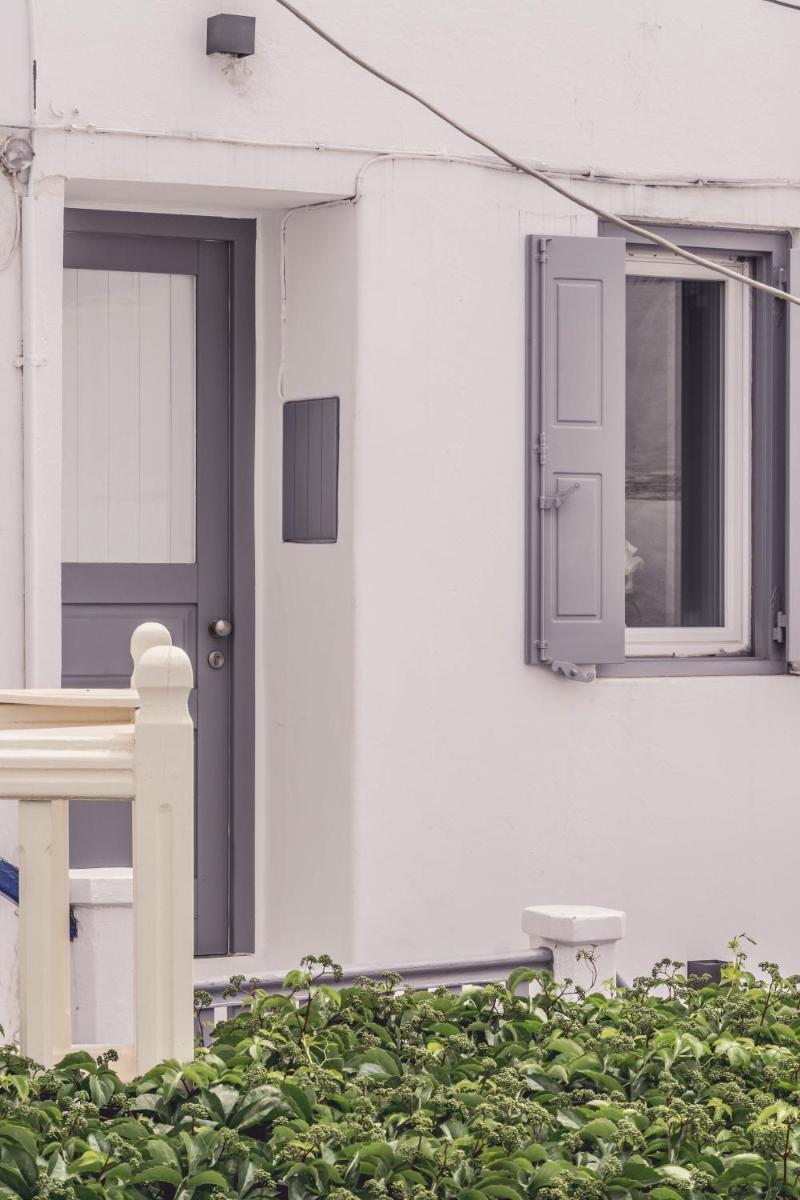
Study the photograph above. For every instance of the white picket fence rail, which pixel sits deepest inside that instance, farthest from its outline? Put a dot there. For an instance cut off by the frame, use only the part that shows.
(58, 745)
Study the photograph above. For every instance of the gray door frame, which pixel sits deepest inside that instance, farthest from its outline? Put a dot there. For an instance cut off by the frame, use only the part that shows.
(220, 252)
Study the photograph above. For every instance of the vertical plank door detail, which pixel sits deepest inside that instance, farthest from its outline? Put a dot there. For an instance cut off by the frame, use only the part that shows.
(129, 417)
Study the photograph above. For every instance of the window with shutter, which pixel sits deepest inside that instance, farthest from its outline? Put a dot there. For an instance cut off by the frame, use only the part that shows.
(656, 418)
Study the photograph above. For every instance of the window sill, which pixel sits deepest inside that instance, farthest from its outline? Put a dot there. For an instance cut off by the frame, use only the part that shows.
(648, 668)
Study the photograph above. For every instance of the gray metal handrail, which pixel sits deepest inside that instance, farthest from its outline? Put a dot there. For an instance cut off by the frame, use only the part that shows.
(422, 976)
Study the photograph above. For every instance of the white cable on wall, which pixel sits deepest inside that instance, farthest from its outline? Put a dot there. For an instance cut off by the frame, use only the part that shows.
(518, 165)
(421, 155)
(589, 174)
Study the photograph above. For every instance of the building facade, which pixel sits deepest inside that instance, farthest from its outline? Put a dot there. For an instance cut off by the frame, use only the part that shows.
(270, 353)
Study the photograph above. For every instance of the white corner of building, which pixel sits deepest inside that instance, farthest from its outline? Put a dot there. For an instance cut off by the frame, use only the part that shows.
(102, 955)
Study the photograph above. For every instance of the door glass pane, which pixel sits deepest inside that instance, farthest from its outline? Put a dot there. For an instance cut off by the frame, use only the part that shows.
(674, 468)
(129, 417)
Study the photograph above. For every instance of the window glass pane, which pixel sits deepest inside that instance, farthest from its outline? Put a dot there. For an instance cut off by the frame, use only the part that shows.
(674, 469)
(129, 417)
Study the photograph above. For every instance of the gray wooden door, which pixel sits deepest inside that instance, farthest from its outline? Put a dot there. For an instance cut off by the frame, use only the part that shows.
(157, 512)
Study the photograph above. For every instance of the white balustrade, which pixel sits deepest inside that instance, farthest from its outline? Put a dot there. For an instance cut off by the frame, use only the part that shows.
(134, 743)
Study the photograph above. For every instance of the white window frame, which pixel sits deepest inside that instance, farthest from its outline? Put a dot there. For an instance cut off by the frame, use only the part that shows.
(734, 637)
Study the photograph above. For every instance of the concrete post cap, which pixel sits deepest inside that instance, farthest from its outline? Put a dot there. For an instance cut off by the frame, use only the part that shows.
(573, 924)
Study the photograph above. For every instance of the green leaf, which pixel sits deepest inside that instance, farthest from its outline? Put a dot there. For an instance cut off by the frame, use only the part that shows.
(13, 1179)
(299, 1101)
(502, 1191)
(20, 1136)
(79, 1058)
(157, 1175)
(387, 1065)
(102, 1088)
(519, 976)
(206, 1179)
(378, 1150)
(296, 980)
(640, 1172)
(258, 1104)
(548, 1172)
(535, 1153)
(599, 1128)
(562, 1045)
(222, 1100)
(90, 1162)
(675, 1171)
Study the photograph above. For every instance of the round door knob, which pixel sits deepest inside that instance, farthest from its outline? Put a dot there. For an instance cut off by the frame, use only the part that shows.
(221, 628)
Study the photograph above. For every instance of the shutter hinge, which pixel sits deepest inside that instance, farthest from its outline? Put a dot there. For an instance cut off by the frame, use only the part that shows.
(779, 628)
(30, 360)
(559, 498)
(540, 448)
(570, 670)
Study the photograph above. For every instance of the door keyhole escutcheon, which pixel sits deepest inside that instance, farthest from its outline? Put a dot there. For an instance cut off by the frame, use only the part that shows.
(216, 659)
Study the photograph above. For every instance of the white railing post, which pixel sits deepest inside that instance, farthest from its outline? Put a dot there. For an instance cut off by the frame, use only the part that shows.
(145, 637)
(583, 941)
(44, 929)
(163, 857)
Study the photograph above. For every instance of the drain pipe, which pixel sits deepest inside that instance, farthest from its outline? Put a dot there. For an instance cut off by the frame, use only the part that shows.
(30, 364)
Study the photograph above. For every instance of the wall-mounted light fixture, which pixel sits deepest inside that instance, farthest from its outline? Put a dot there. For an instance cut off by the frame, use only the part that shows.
(16, 155)
(227, 33)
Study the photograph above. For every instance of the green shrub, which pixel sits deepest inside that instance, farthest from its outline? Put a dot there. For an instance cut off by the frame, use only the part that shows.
(664, 1091)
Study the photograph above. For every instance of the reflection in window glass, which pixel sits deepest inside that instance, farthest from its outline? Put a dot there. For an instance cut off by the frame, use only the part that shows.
(674, 468)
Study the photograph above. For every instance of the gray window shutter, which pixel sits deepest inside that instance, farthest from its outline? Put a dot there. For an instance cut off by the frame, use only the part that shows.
(576, 454)
(793, 539)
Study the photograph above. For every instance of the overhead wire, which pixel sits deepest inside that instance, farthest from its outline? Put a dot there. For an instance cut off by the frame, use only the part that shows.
(603, 213)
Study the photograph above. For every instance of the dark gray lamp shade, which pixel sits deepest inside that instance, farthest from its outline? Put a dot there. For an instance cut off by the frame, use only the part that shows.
(227, 33)
(310, 470)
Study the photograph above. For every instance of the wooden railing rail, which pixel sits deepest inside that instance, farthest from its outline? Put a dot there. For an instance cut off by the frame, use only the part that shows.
(134, 743)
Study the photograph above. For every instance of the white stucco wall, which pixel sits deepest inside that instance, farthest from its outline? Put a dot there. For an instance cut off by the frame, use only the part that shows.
(309, 613)
(483, 784)
(417, 783)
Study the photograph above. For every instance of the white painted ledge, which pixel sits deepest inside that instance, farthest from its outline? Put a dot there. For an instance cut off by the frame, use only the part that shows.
(107, 886)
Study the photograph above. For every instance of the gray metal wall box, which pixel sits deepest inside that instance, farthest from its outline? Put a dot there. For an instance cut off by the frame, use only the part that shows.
(230, 34)
(310, 470)
(706, 966)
